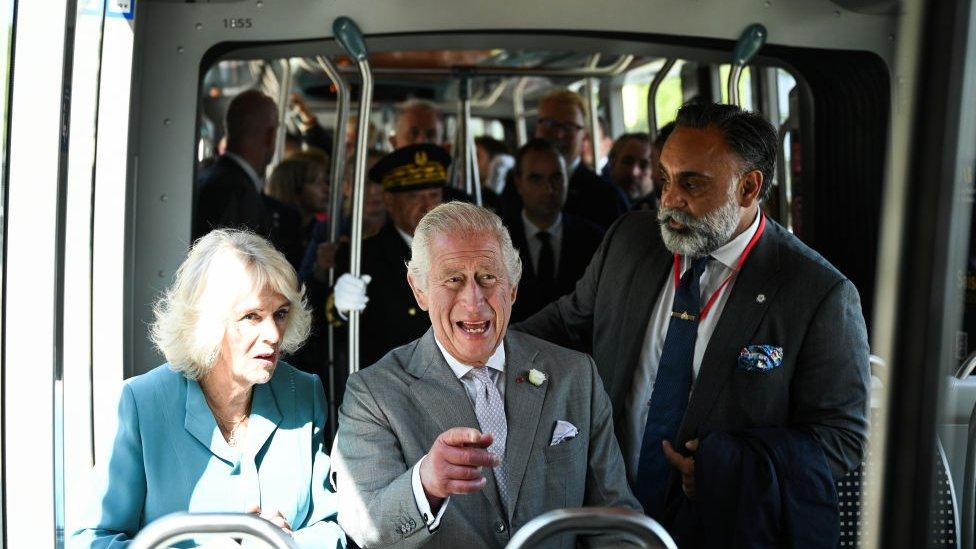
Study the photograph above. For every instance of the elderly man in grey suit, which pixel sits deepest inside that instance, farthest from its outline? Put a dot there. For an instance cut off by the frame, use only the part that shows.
(464, 435)
(708, 317)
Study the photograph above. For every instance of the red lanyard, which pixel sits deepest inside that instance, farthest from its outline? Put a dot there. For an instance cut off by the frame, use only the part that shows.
(742, 259)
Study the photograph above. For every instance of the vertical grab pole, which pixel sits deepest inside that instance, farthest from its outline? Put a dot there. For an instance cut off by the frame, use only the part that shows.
(284, 91)
(652, 125)
(734, 75)
(473, 166)
(465, 144)
(351, 39)
(749, 43)
(592, 117)
(518, 106)
(337, 180)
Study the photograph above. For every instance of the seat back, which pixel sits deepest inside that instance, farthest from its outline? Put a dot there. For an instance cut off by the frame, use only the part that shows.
(942, 517)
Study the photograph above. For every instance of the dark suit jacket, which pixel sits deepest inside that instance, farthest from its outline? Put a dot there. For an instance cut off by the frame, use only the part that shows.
(759, 488)
(226, 197)
(785, 295)
(392, 317)
(593, 198)
(580, 240)
(589, 196)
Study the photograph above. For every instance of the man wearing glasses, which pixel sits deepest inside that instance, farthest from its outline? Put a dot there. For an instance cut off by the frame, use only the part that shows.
(562, 114)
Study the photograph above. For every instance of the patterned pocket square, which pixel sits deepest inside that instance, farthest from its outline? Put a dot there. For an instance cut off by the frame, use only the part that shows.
(760, 358)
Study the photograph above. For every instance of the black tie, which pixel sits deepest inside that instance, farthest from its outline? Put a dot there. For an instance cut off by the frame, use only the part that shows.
(546, 273)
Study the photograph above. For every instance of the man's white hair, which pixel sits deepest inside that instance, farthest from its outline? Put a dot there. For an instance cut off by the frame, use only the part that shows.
(413, 104)
(460, 219)
(222, 268)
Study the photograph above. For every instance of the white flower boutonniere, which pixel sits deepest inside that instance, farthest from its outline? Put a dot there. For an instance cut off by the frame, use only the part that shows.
(536, 377)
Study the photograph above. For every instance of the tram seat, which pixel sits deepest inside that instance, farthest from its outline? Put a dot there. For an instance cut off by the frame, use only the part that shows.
(942, 516)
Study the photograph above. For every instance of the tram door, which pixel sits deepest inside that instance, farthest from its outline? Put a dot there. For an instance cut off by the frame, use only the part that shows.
(67, 67)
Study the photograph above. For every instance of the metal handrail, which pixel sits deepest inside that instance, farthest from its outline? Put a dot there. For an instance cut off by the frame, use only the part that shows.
(592, 116)
(614, 69)
(178, 527)
(966, 368)
(336, 180)
(749, 44)
(734, 76)
(518, 107)
(491, 97)
(592, 520)
(652, 128)
(351, 39)
(284, 90)
(462, 154)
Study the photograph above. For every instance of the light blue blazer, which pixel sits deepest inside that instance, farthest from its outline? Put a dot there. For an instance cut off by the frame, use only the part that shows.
(168, 455)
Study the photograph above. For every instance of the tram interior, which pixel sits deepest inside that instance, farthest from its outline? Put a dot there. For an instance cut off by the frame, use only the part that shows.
(826, 80)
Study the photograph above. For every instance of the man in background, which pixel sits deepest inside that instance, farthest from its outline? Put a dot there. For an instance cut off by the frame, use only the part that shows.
(230, 192)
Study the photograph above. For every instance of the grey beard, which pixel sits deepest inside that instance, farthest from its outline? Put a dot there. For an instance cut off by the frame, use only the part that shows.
(701, 236)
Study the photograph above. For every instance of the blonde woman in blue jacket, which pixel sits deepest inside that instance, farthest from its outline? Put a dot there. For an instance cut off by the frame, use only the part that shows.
(223, 426)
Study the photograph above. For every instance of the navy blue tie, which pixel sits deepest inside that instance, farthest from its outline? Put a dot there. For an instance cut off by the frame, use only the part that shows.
(671, 387)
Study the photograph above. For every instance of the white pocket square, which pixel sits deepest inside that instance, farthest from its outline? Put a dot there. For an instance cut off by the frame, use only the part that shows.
(563, 431)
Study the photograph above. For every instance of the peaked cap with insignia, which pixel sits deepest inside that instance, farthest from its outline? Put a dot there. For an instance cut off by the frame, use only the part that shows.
(412, 168)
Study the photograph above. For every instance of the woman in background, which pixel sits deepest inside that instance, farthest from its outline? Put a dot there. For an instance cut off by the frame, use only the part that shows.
(302, 182)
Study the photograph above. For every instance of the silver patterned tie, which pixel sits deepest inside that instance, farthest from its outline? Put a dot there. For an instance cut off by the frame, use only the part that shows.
(490, 409)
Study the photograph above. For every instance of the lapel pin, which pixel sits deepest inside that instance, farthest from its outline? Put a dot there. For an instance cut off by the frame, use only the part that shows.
(760, 298)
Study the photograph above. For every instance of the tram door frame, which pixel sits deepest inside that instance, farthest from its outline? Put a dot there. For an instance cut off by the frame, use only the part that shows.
(65, 244)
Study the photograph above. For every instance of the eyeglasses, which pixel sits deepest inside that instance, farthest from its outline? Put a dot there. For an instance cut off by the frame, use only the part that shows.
(557, 125)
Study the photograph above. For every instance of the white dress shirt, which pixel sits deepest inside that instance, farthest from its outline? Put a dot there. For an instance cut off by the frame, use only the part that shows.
(248, 169)
(403, 234)
(535, 245)
(496, 369)
(571, 167)
(722, 265)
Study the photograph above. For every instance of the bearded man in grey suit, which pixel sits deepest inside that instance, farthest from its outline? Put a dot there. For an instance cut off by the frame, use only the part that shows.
(707, 317)
(464, 435)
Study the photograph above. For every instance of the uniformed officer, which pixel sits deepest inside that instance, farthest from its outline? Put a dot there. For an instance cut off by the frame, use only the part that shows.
(413, 180)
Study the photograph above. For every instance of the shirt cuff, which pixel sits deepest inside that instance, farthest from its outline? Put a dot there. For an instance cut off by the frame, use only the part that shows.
(421, 497)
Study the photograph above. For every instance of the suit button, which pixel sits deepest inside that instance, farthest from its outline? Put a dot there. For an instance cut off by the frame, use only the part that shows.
(499, 527)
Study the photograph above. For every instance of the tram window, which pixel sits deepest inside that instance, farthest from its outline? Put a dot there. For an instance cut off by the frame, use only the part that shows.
(965, 341)
(489, 127)
(784, 84)
(667, 101)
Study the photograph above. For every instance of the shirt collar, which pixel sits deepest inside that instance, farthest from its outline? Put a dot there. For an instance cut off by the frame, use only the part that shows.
(403, 234)
(531, 230)
(729, 254)
(496, 361)
(248, 169)
(571, 168)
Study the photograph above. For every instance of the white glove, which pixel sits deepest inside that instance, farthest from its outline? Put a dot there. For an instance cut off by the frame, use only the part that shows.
(350, 293)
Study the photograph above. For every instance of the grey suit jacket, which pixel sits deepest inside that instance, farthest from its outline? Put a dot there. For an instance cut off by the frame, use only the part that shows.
(786, 295)
(394, 410)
